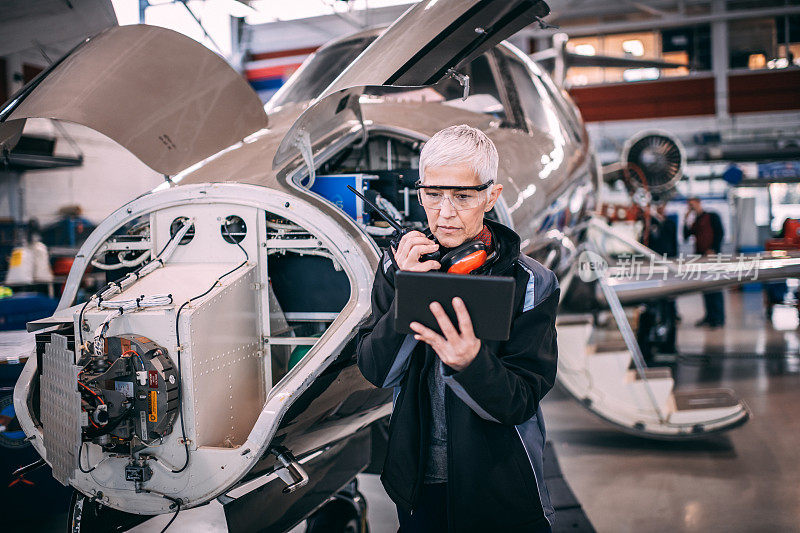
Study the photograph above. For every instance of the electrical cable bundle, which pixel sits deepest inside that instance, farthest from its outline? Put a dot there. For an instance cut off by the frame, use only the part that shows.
(137, 303)
(115, 287)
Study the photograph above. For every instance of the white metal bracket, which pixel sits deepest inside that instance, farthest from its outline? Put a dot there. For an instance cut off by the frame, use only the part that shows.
(463, 79)
(303, 143)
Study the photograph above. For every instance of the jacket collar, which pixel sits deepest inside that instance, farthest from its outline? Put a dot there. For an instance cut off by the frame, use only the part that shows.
(506, 243)
(507, 246)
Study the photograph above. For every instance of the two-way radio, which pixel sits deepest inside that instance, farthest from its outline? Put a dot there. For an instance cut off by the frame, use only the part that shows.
(462, 260)
(400, 230)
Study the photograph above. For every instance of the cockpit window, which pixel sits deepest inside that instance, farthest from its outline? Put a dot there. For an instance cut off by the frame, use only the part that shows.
(538, 98)
(531, 95)
(568, 112)
(320, 71)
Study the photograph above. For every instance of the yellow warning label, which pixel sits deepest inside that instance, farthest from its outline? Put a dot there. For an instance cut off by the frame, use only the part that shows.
(153, 416)
(16, 258)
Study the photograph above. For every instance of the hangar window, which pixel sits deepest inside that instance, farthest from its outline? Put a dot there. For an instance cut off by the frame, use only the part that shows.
(690, 45)
(765, 43)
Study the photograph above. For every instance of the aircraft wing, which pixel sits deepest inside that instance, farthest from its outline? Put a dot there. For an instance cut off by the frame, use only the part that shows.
(171, 110)
(639, 283)
(638, 274)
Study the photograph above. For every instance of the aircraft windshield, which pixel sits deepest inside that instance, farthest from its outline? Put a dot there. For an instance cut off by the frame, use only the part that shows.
(531, 97)
(320, 71)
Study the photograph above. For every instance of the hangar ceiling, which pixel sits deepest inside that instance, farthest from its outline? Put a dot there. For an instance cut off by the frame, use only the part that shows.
(54, 26)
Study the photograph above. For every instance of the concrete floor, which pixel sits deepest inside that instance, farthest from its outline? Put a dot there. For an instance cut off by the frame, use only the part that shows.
(746, 480)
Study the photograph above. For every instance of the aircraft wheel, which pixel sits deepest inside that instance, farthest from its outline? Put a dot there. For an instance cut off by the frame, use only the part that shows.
(342, 515)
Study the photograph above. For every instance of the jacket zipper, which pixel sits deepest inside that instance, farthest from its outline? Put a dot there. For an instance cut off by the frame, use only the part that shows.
(535, 477)
(448, 502)
(422, 412)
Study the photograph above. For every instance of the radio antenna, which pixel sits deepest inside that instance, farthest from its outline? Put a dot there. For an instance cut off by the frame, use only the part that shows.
(392, 222)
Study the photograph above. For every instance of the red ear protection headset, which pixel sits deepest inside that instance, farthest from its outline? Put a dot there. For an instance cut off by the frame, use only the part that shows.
(465, 258)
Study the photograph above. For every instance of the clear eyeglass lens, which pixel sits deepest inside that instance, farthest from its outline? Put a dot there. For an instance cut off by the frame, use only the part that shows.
(461, 199)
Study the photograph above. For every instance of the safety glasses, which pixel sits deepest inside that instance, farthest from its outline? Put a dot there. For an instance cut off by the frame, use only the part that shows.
(460, 197)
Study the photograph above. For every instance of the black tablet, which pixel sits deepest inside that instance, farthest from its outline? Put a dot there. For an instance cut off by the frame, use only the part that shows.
(489, 300)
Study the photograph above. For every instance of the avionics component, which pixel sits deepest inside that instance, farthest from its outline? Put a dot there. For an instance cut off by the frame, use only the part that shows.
(129, 394)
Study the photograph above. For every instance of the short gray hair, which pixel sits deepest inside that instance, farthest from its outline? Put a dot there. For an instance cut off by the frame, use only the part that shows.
(460, 144)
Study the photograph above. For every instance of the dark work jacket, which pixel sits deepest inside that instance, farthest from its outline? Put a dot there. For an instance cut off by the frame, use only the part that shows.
(707, 231)
(663, 237)
(495, 430)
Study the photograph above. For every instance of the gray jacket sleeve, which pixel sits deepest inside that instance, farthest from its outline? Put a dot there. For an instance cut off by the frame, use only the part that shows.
(383, 353)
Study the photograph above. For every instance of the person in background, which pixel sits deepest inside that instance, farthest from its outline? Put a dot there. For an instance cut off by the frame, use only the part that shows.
(663, 232)
(706, 227)
(657, 323)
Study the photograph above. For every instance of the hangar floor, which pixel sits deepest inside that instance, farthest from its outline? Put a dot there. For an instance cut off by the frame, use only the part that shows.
(744, 480)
